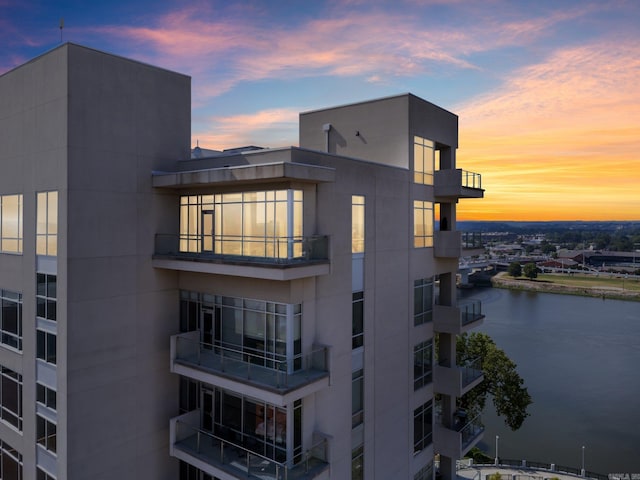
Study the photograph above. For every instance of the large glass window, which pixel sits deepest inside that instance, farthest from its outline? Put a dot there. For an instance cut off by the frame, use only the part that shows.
(10, 463)
(260, 426)
(46, 294)
(422, 364)
(264, 333)
(46, 433)
(422, 301)
(423, 160)
(256, 224)
(11, 397)
(422, 224)
(11, 319)
(11, 223)
(47, 224)
(357, 320)
(357, 224)
(422, 426)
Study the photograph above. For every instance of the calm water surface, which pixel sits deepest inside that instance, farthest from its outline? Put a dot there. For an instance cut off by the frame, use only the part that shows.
(580, 359)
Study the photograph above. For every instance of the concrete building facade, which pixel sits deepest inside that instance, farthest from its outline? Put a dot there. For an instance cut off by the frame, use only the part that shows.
(178, 314)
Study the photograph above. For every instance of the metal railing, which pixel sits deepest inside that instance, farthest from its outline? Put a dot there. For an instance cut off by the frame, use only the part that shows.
(543, 466)
(221, 451)
(470, 431)
(470, 311)
(269, 369)
(472, 240)
(266, 250)
(471, 179)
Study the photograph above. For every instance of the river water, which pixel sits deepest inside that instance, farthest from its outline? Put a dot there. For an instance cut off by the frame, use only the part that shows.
(580, 360)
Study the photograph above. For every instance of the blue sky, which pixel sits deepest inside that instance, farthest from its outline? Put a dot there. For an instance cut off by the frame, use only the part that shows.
(548, 92)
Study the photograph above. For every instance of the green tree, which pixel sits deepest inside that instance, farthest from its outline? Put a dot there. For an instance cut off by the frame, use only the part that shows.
(515, 269)
(530, 270)
(501, 380)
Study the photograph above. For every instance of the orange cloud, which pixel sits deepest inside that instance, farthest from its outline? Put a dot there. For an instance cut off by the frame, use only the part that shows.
(559, 140)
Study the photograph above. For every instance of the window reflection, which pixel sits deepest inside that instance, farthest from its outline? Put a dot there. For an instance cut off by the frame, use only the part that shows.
(256, 224)
(47, 223)
(424, 160)
(11, 223)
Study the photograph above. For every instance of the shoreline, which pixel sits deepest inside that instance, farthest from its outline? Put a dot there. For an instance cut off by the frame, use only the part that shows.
(502, 280)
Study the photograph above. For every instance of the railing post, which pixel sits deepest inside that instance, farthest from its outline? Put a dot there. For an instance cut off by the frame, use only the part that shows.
(198, 441)
(221, 451)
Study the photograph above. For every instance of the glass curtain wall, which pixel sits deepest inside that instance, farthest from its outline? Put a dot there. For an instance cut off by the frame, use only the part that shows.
(253, 424)
(257, 224)
(264, 333)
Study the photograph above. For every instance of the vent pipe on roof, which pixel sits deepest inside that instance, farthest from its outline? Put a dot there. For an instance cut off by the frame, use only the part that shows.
(326, 128)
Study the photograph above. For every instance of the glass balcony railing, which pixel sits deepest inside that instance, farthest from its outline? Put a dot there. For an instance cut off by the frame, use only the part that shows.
(262, 250)
(470, 431)
(471, 371)
(272, 370)
(470, 311)
(471, 179)
(472, 240)
(232, 457)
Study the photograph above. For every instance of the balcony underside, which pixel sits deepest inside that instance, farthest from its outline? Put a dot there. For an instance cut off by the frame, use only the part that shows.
(259, 383)
(242, 267)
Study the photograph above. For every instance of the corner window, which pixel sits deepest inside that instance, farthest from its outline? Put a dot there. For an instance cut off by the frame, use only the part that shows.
(423, 160)
(357, 224)
(46, 346)
(47, 224)
(11, 223)
(46, 433)
(422, 364)
(357, 321)
(422, 426)
(357, 398)
(46, 293)
(422, 224)
(422, 301)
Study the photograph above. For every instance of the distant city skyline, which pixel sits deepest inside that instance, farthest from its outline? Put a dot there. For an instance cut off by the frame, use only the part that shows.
(546, 91)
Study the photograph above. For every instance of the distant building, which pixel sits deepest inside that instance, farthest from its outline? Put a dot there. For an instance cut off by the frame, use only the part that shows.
(169, 314)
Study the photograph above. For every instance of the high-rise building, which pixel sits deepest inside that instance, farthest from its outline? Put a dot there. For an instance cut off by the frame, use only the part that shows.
(170, 313)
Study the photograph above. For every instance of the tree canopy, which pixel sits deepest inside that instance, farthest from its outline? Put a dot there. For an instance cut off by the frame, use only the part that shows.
(515, 269)
(501, 380)
(530, 270)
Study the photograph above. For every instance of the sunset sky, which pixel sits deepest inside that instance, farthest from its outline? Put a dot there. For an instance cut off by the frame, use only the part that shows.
(548, 92)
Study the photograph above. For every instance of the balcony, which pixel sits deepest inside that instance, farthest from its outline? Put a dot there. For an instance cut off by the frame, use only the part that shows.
(457, 319)
(459, 379)
(455, 442)
(273, 258)
(452, 184)
(224, 457)
(273, 380)
(447, 244)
